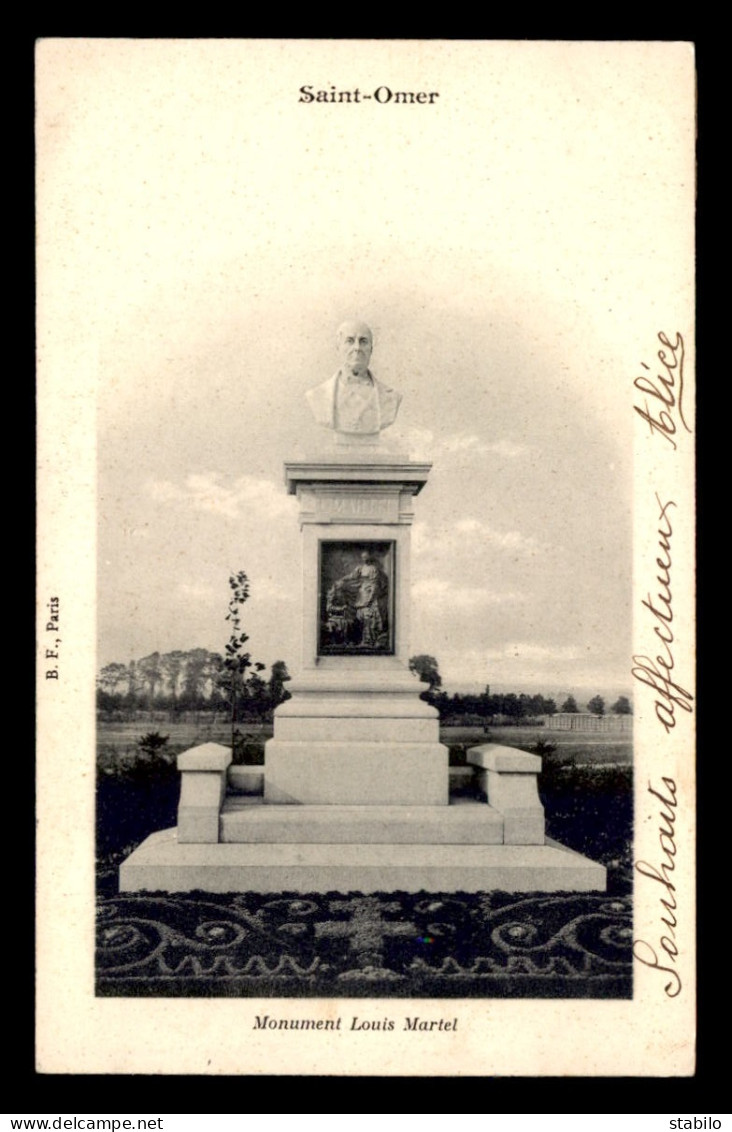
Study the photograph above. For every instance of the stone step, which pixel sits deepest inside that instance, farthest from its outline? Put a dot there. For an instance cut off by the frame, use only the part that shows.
(162, 864)
(359, 698)
(466, 822)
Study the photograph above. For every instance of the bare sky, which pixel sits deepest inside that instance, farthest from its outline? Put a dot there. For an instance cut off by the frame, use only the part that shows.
(504, 245)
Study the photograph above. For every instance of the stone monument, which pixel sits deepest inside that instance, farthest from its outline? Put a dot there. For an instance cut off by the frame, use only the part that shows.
(355, 790)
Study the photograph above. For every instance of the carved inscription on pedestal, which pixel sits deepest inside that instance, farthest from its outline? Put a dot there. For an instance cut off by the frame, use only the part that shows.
(348, 507)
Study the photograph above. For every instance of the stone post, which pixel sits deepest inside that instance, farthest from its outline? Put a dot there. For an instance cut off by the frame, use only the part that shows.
(509, 778)
(203, 785)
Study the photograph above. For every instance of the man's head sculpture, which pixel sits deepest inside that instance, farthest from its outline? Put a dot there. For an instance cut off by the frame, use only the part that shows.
(355, 343)
(353, 403)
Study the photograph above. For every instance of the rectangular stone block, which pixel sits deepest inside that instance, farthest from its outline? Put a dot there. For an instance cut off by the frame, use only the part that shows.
(492, 756)
(356, 773)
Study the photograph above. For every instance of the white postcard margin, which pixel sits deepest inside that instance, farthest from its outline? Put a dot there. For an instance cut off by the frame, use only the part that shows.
(652, 1035)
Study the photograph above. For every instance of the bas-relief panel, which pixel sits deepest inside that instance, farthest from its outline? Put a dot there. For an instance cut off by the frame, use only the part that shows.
(356, 598)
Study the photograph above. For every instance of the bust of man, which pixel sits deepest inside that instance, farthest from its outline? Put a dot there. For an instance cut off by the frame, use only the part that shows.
(353, 402)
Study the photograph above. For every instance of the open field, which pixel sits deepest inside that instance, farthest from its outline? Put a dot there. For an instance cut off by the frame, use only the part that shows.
(117, 743)
(570, 746)
(182, 733)
(591, 747)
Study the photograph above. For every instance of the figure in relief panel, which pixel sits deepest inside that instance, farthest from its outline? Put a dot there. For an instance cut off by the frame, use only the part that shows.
(357, 607)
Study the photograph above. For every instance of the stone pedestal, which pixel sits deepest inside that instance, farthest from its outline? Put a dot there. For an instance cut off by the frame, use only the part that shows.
(355, 731)
(355, 791)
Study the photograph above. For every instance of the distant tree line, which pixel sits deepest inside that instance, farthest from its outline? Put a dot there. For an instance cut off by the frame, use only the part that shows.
(236, 686)
(193, 680)
(499, 707)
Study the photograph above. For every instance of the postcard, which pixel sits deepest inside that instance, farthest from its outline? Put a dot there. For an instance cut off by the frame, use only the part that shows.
(366, 574)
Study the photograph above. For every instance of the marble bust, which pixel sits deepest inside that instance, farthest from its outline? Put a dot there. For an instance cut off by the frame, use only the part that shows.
(353, 402)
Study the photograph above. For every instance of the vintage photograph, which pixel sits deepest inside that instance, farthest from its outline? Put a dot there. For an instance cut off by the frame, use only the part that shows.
(367, 605)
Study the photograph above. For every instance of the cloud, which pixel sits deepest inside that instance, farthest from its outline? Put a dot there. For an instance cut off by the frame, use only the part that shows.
(465, 536)
(469, 442)
(206, 492)
(269, 590)
(505, 540)
(422, 538)
(438, 592)
(419, 442)
(512, 665)
(195, 591)
(422, 442)
(508, 448)
(462, 442)
(164, 491)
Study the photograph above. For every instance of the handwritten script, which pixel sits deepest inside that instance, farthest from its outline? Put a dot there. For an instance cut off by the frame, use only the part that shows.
(663, 411)
(642, 950)
(656, 672)
(667, 387)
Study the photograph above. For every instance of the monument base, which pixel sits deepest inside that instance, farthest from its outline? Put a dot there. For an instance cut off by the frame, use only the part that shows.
(488, 834)
(163, 864)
